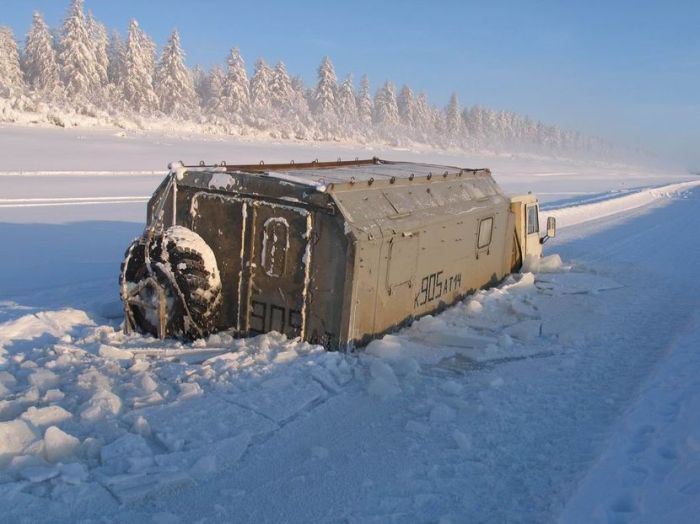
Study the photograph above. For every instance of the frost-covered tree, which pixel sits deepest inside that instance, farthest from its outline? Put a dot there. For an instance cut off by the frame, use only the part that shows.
(302, 122)
(215, 92)
(235, 89)
(406, 105)
(281, 90)
(11, 81)
(453, 118)
(260, 92)
(324, 100)
(347, 106)
(365, 107)
(79, 69)
(100, 42)
(199, 78)
(116, 51)
(39, 62)
(386, 110)
(423, 118)
(174, 85)
(325, 93)
(137, 82)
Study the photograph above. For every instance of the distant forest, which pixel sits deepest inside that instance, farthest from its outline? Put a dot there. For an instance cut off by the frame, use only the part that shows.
(81, 71)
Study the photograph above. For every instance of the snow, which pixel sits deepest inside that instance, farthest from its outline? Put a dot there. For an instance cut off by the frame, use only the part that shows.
(567, 393)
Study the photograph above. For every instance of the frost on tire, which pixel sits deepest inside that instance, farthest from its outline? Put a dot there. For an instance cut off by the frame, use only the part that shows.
(170, 285)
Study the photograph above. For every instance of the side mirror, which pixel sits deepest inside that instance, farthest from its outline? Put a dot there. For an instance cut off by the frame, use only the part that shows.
(551, 230)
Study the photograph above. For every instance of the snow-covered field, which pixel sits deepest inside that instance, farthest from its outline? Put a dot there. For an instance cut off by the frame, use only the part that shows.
(567, 394)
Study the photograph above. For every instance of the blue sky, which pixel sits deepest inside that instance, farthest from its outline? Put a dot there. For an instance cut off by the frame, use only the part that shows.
(628, 71)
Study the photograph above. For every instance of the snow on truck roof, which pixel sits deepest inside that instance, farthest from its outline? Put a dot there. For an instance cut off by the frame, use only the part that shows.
(321, 174)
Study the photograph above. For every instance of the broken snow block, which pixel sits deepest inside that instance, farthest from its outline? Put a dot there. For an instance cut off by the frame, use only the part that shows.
(48, 416)
(59, 446)
(15, 437)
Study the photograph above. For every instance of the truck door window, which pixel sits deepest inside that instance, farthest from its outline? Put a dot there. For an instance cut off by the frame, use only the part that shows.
(533, 222)
(485, 230)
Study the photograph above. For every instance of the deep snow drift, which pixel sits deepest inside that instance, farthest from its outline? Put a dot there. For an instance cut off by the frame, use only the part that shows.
(566, 393)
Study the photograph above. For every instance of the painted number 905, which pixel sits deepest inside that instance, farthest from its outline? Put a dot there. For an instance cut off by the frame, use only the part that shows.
(434, 286)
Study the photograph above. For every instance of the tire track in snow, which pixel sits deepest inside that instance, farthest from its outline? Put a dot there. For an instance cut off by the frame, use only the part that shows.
(70, 201)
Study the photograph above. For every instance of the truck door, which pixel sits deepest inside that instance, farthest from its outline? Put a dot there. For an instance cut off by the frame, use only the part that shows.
(279, 254)
(220, 221)
(532, 230)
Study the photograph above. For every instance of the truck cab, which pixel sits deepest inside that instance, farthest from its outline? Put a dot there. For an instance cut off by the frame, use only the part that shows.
(526, 211)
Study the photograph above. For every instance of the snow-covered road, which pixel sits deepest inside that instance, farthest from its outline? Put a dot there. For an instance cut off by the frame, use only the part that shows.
(566, 395)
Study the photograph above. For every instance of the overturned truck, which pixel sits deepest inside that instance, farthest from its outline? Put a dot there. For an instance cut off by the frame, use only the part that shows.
(336, 253)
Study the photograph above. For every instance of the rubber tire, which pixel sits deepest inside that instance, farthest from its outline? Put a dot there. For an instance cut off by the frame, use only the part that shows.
(167, 259)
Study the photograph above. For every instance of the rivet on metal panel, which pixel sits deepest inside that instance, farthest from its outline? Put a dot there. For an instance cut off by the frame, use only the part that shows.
(411, 176)
(430, 175)
(339, 160)
(352, 180)
(201, 163)
(315, 161)
(370, 181)
(291, 162)
(392, 179)
(262, 162)
(444, 175)
(223, 163)
(427, 190)
(357, 159)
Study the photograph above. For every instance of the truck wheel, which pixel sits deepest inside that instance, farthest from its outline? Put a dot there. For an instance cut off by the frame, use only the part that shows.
(182, 276)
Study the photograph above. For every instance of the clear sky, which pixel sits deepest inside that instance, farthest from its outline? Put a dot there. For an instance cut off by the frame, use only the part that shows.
(628, 71)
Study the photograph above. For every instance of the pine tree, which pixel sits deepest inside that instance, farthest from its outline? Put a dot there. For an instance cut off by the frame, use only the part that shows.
(11, 82)
(422, 118)
(40, 67)
(406, 107)
(235, 90)
(386, 111)
(347, 106)
(77, 60)
(260, 92)
(199, 78)
(325, 94)
(215, 92)
(174, 85)
(116, 53)
(99, 41)
(281, 90)
(137, 82)
(364, 103)
(453, 120)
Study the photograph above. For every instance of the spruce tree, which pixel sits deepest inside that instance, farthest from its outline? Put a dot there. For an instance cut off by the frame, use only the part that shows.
(281, 90)
(453, 120)
(77, 60)
(347, 106)
(137, 82)
(260, 92)
(100, 42)
(11, 81)
(39, 62)
(174, 85)
(324, 100)
(116, 52)
(406, 107)
(364, 103)
(215, 91)
(386, 110)
(235, 89)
